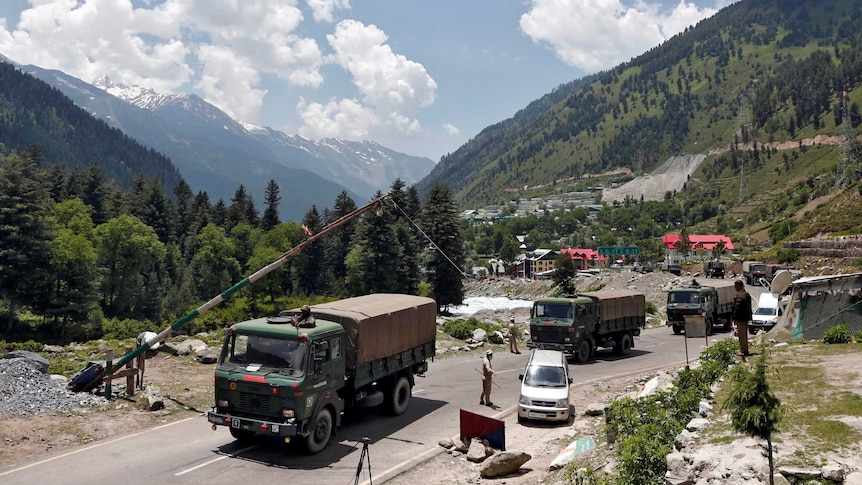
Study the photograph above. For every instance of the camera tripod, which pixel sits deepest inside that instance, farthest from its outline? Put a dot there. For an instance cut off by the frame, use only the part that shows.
(362, 457)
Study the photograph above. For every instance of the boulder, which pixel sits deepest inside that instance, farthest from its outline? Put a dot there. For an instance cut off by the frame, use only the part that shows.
(476, 453)
(480, 335)
(853, 478)
(503, 463)
(446, 443)
(595, 409)
(144, 337)
(52, 349)
(190, 345)
(799, 472)
(32, 359)
(151, 399)
(832, 472)
(496, 337)
(208, 355)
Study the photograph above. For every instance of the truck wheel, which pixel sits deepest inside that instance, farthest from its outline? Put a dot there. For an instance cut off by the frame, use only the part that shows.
(677, 330)
(399, 398)
(623, 345)
(583, 353)
(321, 430)
(242, 435)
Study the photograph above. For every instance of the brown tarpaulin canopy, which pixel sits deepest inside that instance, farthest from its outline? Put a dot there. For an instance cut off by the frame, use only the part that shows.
(381, 324)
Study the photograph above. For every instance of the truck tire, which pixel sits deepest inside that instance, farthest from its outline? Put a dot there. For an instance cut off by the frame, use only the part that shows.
(677, 329)
(242, 435)
(623, 345)
(582, 353)
(398, 398)
(321, 430)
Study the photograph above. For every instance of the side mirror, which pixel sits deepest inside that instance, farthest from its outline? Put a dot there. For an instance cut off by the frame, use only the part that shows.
(520, 377)
(571, 381)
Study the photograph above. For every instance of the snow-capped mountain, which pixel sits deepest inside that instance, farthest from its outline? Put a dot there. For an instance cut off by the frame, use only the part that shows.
(364, 166)
(217, 154)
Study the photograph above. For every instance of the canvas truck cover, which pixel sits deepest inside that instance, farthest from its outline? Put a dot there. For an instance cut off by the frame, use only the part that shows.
(381, 324)
(617, 304)
(725, 291)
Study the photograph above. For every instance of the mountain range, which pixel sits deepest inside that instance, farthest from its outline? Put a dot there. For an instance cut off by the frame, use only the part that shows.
(216, 154)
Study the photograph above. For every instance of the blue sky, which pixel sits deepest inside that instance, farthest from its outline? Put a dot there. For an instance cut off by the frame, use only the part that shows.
(420, 77)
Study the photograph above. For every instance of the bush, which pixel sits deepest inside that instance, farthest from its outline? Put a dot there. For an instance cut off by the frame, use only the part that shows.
(839, 334)
(651, 308)
(30, 345)
(114, 328)
(858, 337)
(463, 329)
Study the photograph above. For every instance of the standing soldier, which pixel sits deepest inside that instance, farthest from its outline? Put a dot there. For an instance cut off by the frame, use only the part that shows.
(487, 376)
(741, 316)
(513, 338)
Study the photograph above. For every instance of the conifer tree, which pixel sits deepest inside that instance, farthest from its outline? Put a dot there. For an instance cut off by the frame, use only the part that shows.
(271, 199)
(372, 263)
(443, 267)
(311, 262)
(338, 243)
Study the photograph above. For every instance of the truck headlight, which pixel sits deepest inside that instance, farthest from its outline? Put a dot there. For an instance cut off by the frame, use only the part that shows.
(524, 400)
(563, 403)
(288, 413)
(223, 403)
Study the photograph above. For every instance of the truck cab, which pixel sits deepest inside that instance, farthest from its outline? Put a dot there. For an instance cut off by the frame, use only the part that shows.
(272, 377)
(693, 300)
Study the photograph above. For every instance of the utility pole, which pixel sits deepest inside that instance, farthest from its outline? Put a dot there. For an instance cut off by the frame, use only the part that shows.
(841, 178)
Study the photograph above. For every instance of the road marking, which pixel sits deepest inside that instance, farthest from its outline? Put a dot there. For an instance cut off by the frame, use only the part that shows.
(214, 460)
(92, 447)
(417, 391)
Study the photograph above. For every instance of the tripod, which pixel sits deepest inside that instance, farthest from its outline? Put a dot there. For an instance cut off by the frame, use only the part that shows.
(362, 457)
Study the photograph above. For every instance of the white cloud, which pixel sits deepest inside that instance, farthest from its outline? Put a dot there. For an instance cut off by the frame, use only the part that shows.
(599, 34)
(451, 129)
(393, 88)
(322, 9)
(220, 46)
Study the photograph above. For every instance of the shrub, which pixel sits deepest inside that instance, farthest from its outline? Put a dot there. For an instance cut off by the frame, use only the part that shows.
(651, 308)
(839, 334)
(463, 329)
(114, 328)
(858, 337)
(30, 345)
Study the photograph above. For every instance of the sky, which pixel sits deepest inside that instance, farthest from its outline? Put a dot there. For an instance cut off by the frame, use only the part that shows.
(420, 77)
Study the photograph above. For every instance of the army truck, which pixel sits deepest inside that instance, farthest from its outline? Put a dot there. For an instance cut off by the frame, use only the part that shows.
(713, 301)
(579, 324)
(288, 378)
(753, 271)
(713, 269)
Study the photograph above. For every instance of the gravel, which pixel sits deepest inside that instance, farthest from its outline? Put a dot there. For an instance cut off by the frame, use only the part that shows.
(25, 391)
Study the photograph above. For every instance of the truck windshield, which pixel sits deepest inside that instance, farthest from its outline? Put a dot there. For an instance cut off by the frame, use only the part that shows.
(256, 351)
(683, 297)
(545, 376)
(553, 310)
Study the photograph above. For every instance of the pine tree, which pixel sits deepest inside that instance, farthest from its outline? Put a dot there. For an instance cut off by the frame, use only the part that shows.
(311, 262)
(372, 263)
(338, 243)
(407, 274)
(444, 263)
(25, 237)
(272, 199)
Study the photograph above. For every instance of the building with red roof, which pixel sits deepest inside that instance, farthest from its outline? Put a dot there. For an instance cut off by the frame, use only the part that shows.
(585, 258)
(701, 245)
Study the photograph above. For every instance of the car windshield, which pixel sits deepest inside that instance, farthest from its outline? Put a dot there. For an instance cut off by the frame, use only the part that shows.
(683, 297)
(767, 311)
(255, 352)
(545, 376)
(553, 310)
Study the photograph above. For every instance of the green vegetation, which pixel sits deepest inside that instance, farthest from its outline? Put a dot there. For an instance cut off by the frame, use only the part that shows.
(645, 428)
(839, 334)
(463, 329)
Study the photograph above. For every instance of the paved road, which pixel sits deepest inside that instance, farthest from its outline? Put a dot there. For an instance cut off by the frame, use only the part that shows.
(187, 451)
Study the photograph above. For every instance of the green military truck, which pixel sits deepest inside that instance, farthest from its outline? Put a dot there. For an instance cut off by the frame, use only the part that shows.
(713, 301)
(284, 377)
(753, 271)
(579, 324)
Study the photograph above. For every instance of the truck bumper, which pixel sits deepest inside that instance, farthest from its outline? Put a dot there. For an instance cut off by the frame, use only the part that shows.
(564, 348)
(254, 425)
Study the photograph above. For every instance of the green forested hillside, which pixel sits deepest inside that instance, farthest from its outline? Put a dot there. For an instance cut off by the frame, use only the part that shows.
(33, 114)
(757, 72)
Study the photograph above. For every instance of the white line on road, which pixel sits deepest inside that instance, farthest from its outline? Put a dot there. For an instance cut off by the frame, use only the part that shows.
(231, 455)
(92, 447)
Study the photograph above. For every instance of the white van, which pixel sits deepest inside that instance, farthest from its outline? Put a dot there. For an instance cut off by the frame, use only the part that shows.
(545, 387)
(767, 313)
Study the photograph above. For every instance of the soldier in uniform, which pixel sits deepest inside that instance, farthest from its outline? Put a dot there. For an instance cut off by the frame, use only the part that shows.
(304, 318)
(513, 338)
(741, 316)
(487, 376)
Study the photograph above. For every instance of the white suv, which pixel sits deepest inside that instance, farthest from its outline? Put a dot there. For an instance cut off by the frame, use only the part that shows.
(545, 387)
